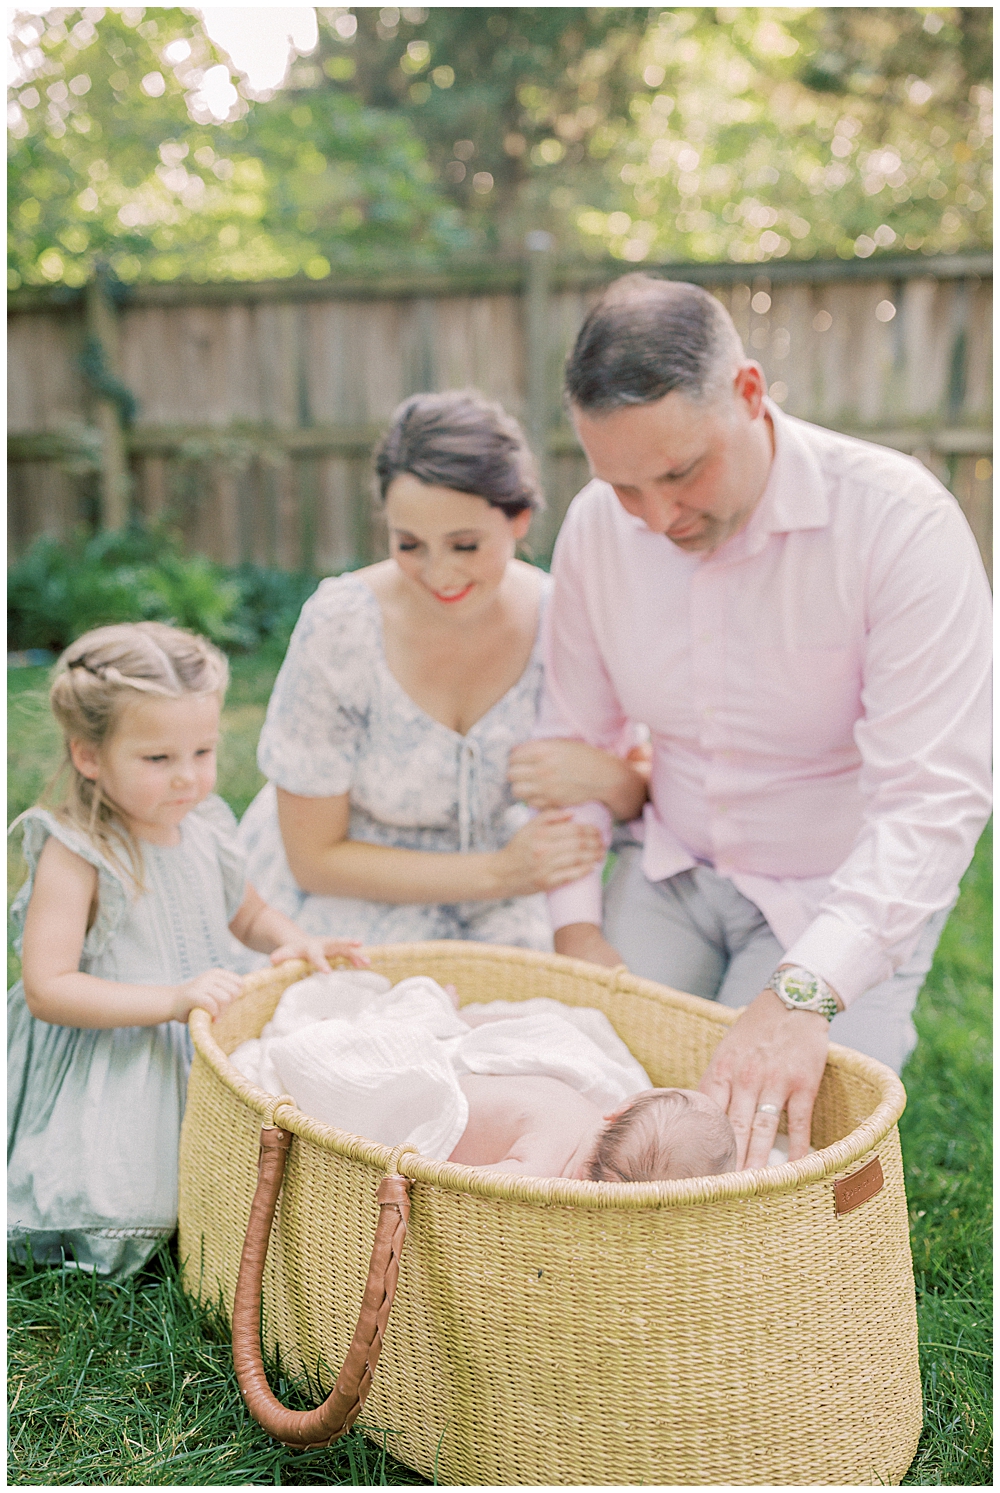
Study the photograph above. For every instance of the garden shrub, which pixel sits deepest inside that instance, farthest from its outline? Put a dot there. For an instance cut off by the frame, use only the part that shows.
(270, 602)
(60, 588)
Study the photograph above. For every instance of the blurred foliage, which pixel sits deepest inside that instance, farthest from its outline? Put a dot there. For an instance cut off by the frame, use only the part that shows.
(685, 133)
(695, 133)
(269, 603)
(115, 154)
(59, 589)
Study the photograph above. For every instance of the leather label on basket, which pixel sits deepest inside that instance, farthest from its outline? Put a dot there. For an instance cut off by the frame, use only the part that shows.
(851, 1192)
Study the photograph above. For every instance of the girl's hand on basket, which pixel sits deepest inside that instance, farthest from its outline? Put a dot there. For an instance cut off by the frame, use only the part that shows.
(772, 1057)
(548, 852)
(319, 951)
(213, 992)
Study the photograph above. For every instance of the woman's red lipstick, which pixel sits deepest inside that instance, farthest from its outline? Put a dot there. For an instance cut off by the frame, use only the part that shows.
(458, 596)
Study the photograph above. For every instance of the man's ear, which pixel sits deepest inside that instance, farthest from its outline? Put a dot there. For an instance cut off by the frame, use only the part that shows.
(751, 386)
(83, 755)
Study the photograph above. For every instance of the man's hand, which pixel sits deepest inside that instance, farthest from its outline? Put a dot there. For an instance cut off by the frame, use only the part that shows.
(771, 1056)
(586, 941)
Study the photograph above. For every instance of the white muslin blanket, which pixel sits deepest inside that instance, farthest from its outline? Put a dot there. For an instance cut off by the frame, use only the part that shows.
(385, 1061)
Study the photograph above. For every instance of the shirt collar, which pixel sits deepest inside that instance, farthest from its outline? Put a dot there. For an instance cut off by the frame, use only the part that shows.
(795, 494)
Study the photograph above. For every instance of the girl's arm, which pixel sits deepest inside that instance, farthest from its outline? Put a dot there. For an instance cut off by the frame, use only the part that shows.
(55, 988)
(546, 853)
(269, 931)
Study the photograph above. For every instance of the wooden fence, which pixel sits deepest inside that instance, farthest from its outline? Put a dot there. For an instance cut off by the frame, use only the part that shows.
(258, 404)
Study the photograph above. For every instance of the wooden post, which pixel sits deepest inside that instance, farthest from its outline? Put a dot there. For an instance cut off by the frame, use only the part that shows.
(539, 414)
(102, 332)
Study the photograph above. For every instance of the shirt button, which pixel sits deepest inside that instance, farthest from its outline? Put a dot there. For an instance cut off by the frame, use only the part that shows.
(704, 637)
(708, 712)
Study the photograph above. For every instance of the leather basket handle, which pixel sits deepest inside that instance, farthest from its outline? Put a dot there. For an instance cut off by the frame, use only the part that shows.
(314, 1428)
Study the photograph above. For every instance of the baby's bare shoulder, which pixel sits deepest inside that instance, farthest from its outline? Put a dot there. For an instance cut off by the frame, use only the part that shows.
(527, 1104)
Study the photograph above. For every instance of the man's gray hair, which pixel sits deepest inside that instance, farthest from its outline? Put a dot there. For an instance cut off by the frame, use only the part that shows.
(646, 338)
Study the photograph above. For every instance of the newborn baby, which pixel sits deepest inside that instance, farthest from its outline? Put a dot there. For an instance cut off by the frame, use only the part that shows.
(532, 1087)
(540, 1127)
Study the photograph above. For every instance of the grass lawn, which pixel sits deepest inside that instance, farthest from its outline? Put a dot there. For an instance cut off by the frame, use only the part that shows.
(131, 1385)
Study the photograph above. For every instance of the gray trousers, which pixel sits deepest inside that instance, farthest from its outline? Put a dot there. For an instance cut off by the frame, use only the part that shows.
(696, 932)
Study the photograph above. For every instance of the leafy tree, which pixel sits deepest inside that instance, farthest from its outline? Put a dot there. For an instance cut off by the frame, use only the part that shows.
(506, 100)
(684, 133)
(747, 133)
(115, 153)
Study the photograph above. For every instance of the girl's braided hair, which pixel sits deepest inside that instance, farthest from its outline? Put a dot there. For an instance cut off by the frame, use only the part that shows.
(94, 679)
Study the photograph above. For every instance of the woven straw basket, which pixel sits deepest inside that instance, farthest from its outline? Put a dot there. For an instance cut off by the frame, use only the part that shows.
(733, 1329)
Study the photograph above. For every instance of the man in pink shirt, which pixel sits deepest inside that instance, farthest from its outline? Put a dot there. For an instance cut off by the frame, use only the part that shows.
(802, 621)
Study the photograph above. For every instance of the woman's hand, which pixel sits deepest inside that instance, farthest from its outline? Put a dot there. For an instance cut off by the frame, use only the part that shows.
(213, 992)
(545, 854)
(556, 774)
(319, 951)
(548, 852)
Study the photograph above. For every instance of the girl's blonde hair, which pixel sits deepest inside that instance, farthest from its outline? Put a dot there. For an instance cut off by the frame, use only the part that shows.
(95, 678)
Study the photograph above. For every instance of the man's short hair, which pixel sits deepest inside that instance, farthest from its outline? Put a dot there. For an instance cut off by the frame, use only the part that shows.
(647, 337)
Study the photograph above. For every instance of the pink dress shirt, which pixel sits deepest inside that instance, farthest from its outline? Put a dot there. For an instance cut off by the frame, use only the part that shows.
(817, 692)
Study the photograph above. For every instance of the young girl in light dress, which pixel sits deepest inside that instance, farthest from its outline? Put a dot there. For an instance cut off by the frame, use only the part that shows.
(135, 889)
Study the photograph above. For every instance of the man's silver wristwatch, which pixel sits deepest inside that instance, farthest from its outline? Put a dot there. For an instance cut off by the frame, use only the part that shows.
(800, 990)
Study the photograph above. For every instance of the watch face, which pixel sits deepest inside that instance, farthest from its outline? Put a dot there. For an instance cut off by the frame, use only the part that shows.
(799, 988)
(801, 991)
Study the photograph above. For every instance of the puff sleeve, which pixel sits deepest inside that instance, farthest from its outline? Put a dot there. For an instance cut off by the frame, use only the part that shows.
(317, 717)
(112, 895)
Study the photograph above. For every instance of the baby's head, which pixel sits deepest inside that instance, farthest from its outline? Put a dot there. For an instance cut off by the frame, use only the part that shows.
(664, 1135)
(101, 677)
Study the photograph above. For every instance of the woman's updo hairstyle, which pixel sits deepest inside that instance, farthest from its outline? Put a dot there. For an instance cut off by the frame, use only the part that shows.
(462, 441)
(94, 679)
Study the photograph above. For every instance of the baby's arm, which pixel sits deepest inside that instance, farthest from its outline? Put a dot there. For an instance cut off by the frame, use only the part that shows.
(55, 988)
(269, 931)
(536, 1153)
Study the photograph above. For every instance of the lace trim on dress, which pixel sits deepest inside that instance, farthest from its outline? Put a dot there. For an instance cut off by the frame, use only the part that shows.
(215, 812)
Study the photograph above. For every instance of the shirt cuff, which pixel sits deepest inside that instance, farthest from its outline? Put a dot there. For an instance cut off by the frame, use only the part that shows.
(578, 902)
(844, 957)
(581, 901)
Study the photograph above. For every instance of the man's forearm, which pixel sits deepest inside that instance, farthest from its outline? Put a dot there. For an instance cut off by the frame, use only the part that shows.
(626, 791)
(586, 941)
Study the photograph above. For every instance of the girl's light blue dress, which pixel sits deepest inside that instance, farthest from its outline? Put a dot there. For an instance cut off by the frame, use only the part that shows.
(93, 1117)
(340, 722)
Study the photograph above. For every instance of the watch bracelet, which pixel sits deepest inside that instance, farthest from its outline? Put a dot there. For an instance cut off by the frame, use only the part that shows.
(822, 1002)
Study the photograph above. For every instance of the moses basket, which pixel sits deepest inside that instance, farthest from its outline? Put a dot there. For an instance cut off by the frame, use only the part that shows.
(751, 1328)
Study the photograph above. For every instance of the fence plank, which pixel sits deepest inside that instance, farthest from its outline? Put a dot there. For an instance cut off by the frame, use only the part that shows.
(979, 353)
(44, 388)
(972, 484)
